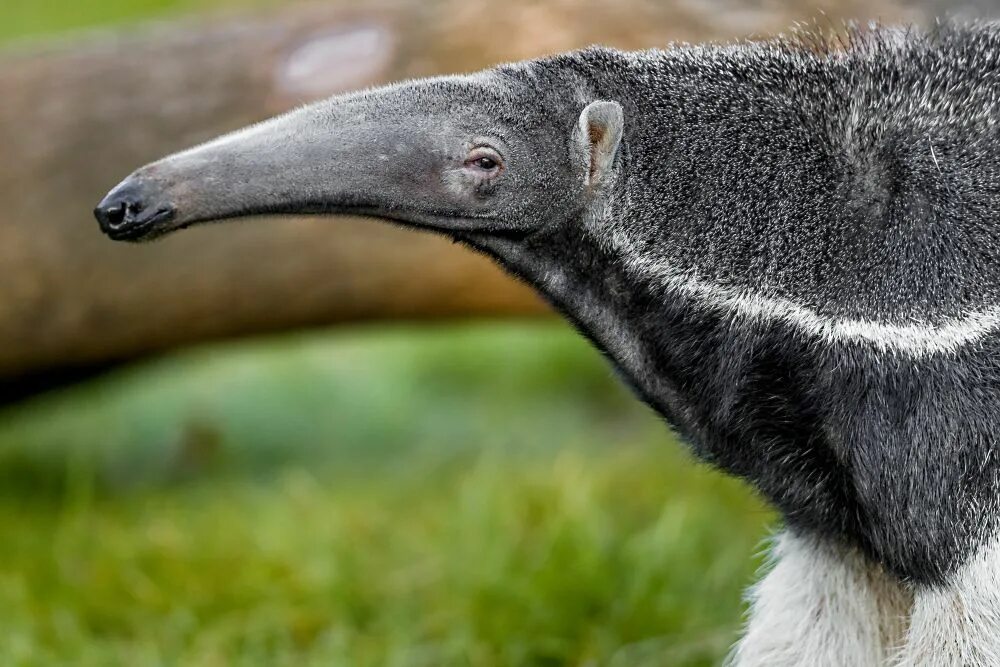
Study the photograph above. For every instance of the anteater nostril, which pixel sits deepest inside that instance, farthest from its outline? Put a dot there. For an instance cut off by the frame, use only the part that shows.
(114, 214)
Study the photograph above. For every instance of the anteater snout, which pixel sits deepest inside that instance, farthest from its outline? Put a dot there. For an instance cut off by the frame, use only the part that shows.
(134, 210)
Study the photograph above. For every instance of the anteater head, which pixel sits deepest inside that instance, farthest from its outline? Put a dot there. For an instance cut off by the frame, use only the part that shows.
(495, 153)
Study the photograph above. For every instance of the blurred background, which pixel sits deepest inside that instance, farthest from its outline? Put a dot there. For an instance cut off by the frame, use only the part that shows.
(325, 441)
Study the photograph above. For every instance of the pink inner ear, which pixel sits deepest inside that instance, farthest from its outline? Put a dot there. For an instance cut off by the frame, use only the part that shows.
(595, 133)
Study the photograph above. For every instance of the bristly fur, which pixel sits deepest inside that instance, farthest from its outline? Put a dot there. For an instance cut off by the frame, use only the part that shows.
(798, 265)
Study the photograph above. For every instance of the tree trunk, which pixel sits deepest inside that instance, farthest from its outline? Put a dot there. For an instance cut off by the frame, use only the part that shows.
(76, 116)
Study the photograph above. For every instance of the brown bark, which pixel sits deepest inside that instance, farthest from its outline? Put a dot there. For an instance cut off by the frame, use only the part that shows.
(77, 116)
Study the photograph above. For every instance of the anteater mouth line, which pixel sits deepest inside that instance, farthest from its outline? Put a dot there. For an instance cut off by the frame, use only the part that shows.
(137, 231)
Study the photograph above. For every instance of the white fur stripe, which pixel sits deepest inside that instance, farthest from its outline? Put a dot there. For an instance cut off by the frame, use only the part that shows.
(916, 339)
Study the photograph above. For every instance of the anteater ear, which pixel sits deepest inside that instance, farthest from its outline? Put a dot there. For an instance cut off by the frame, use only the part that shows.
(598, 134)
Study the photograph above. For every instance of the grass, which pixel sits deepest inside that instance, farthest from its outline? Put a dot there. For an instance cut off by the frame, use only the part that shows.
(460, 495)
(32, 19)
(495, 563)
(476, 495)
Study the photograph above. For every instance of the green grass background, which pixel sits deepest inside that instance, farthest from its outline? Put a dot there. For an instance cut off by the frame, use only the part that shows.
(471, 494)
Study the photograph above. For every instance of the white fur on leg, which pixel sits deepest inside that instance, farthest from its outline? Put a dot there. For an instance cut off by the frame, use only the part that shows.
(822, 605)
(958, 624)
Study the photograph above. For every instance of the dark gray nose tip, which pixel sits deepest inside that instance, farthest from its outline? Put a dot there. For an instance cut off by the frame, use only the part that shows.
(113, 214)
(133, 211)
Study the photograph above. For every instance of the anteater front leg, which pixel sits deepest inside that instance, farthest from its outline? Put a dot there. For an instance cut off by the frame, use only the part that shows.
(957, 624)
(822, 605)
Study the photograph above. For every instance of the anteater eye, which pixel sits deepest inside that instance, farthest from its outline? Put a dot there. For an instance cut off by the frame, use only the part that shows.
(485, 163)
(484, 159)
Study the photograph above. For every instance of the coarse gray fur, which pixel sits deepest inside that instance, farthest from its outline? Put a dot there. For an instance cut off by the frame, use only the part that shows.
(790, 249)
